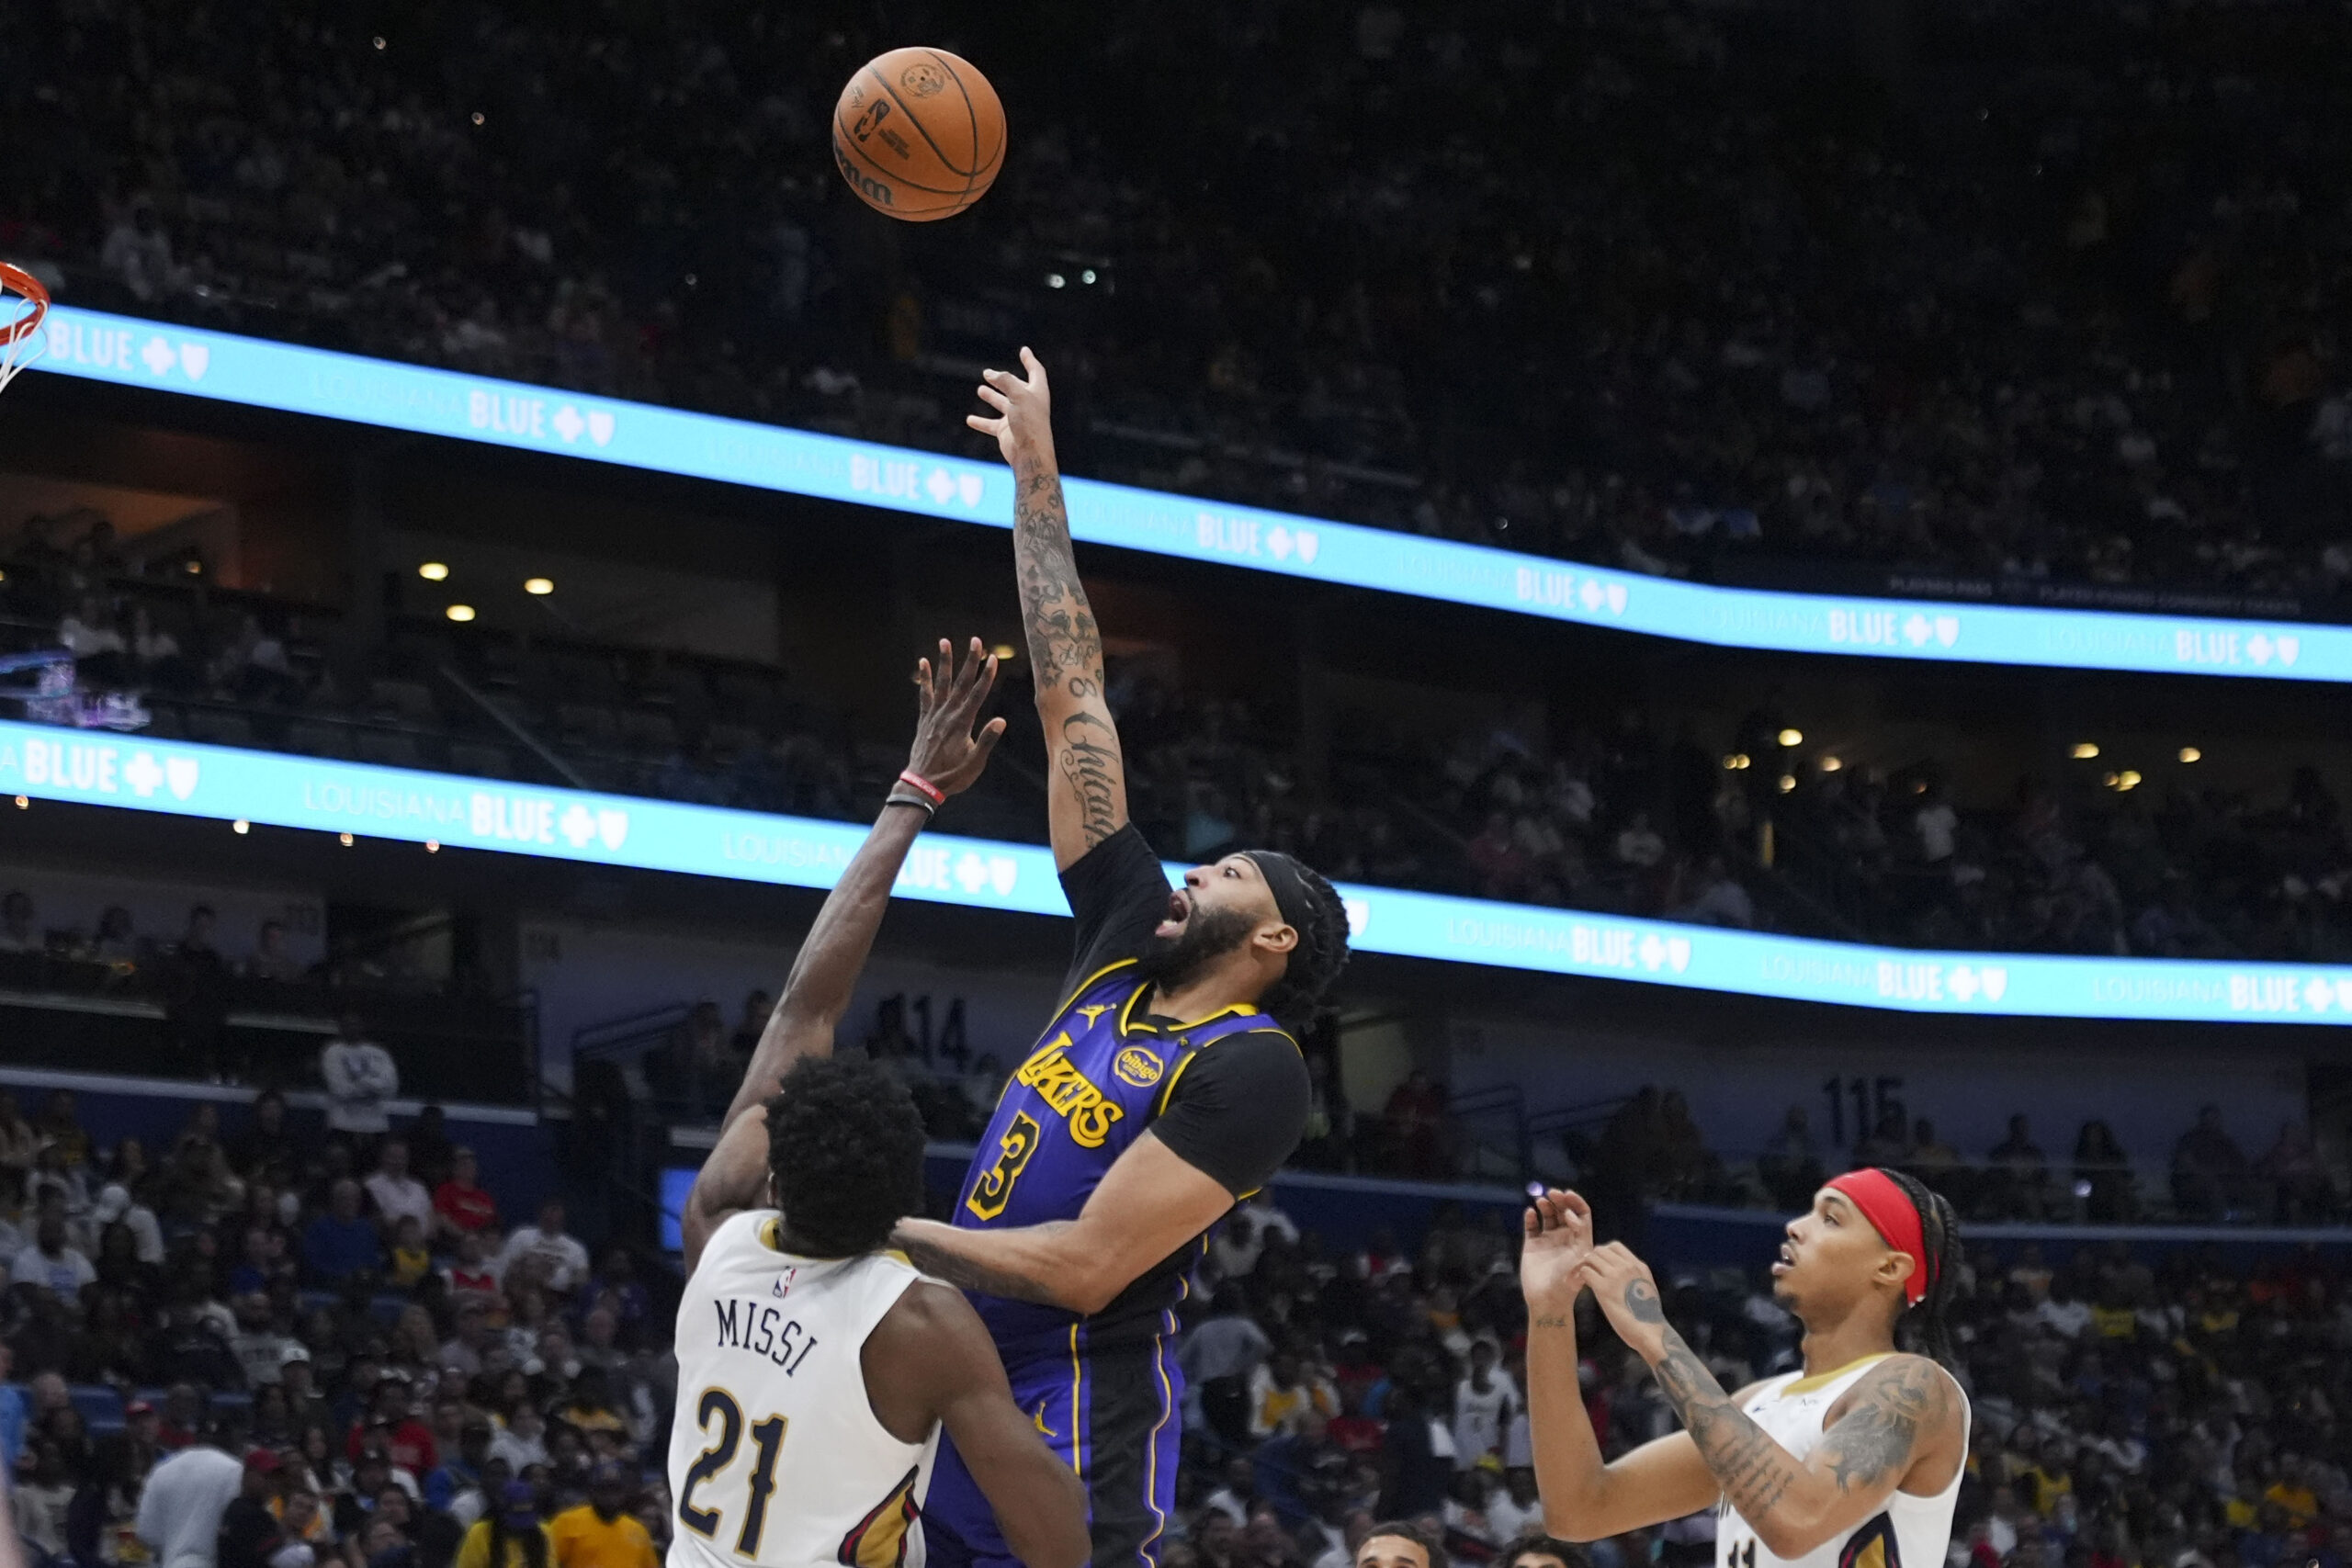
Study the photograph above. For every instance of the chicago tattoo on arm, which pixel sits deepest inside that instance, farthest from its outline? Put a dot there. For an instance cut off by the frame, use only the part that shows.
(1065, 647)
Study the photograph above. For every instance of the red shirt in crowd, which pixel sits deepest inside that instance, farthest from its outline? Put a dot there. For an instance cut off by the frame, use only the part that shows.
(468, 1208)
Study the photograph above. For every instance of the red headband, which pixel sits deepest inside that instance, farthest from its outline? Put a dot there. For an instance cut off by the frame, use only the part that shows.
(1892, 1214)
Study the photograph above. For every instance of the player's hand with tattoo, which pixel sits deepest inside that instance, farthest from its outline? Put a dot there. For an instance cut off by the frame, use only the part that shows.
(1023, 422)
(948, 698)
(1627, 1292)
(1558, 1227)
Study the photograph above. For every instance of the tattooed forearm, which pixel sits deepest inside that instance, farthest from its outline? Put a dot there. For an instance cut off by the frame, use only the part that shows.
(1065, 646)
(1089, 757)
(1756, 1472)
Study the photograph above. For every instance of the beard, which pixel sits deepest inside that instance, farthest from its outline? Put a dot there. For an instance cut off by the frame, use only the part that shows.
(1208, 936)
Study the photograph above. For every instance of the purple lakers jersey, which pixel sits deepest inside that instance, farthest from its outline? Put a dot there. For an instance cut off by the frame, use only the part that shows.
(1102, 1071)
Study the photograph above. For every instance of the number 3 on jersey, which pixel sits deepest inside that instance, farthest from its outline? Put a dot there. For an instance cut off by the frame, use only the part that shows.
(993, 1190)
(767, 1443)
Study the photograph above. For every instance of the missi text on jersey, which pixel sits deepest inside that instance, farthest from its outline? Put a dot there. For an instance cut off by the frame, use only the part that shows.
(761, 1328)
(1073, 1096)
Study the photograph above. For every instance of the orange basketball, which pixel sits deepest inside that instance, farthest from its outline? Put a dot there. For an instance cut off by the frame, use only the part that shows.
(919, 134)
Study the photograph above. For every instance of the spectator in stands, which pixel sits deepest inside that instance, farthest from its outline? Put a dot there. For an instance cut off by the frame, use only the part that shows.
(601, 1532)
(1790, 1164)
(2209, 1170)
(748, 1028)
(508, 1535)
(1284, 1396)
(1415, 1120)
(51, 1263)
(562, 1261)
(460, 1204)
(196, 996)
(2019, 1172)
(269, 960)
(182, 1505)
(2292, 1166)
(267, 1151)
(61, 1132)
(340, 1244)
(19, 1142)
(1485, 1400)
(1719, 899)
(360, 1080)
(430, 1152)
(250, 1532)
(1219, 1356)
(395, 1194)
(18, 931)
(2103, 1176)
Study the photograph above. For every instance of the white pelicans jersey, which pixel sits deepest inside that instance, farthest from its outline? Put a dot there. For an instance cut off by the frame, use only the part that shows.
(1909, 1533)
(775, 1457)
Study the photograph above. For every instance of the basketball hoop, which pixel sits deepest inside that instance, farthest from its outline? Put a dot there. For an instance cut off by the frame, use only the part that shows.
(23, 302)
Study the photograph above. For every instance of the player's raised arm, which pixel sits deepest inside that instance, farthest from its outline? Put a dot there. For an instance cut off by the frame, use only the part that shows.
(947, 756)
(1087, 794)
(1586, 1497)
(931, 1359)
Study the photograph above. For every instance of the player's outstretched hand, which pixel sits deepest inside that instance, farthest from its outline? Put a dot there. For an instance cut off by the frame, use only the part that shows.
(947, 699)
(1023, 422)
(1559, 1234)
(1627, 1292)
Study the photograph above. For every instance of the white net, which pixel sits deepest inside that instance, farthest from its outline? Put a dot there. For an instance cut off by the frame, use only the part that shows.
(23, 303)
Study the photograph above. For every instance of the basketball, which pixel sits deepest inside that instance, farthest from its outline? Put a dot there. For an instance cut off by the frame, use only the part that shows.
(919, 134)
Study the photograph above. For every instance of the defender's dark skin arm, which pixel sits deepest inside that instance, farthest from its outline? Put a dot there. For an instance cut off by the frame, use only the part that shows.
(735, 1177)
(1087, 794)
(929, 1361)
(1900, 1423)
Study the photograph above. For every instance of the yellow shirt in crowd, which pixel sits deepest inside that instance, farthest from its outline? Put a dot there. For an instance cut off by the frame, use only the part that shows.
(583, 1541)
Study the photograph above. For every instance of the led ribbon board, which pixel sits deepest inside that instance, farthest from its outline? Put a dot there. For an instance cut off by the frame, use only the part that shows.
(227, 785)
(442, 402)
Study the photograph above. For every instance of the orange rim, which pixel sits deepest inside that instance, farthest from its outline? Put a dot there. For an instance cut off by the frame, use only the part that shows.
(17, 281)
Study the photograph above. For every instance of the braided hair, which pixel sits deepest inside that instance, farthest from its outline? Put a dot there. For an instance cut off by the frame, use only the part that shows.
(1924, 1323)
(1315, 962)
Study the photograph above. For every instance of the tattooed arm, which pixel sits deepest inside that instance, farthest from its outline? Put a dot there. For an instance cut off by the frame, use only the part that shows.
(1087, 795)
(1900, 1425)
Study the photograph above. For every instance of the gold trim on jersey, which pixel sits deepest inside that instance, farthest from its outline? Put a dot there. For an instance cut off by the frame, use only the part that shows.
(1077, 1406)
(1814, 1381)
(879, 1540)
(1086, 984)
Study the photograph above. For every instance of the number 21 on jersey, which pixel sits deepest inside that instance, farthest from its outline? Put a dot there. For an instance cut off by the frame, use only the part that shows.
(718, 1407)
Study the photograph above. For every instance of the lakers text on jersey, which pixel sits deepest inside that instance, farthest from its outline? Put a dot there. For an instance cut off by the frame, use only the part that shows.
(775, 1458)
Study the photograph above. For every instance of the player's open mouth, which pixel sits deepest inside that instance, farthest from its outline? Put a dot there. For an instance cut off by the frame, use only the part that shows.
(1179, 908)
(1788, 1261)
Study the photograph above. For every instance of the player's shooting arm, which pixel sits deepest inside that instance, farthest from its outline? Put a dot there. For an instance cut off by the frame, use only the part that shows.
(931, 1358)
(948, 754)
(1586, 1497)
(1087, 794)
(1903, 1416)
(1151, 1201)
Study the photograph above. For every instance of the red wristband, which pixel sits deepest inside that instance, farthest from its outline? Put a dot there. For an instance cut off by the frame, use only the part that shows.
(929, 790)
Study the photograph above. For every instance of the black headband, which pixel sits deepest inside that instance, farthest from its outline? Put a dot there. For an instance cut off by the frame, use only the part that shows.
(1284, 881)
